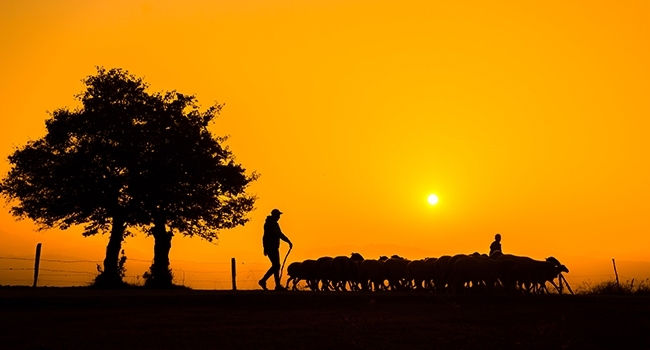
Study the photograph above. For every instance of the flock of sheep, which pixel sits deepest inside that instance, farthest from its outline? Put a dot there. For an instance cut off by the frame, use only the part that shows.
(447, 274)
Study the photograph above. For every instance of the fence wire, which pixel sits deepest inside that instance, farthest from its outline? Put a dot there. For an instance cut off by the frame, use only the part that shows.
(19, 271)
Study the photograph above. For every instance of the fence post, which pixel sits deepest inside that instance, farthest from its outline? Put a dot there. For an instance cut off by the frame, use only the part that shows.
(37, 262)
(615, 272)
(566, 283)
(234, 273)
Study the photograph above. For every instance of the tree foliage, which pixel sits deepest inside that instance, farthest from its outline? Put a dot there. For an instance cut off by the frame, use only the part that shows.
(128, 158)
(185, 174)
(79, 171)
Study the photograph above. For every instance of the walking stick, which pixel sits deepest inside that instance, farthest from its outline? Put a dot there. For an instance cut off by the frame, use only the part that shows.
(285, 260)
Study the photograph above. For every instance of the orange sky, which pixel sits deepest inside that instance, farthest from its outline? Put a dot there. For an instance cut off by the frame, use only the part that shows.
(526, 118)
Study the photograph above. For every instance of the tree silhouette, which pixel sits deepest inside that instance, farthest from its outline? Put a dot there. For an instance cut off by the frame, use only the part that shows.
(78, 172)
(127, 158)
(186, 182)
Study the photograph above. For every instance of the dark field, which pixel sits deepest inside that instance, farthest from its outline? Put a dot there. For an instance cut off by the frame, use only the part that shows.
(79, 318)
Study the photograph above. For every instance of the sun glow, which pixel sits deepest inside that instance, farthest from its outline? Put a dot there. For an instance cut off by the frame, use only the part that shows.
(432, 199)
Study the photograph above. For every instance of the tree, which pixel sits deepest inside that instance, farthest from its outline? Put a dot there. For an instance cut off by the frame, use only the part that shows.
(128, 158)
(79, 171)
(187, 182)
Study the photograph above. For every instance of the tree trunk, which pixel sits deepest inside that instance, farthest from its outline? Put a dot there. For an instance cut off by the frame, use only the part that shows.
(110, 277)
(160, 275)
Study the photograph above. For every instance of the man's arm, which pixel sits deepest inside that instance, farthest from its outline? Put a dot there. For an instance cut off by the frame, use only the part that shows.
(285, 238)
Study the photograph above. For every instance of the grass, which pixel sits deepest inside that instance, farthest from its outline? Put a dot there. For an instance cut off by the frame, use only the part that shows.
(612, 287)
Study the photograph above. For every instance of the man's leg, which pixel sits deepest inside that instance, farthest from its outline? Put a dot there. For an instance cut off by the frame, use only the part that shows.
(275, 261)
(274, 256)
(268, 273)
(262, 282)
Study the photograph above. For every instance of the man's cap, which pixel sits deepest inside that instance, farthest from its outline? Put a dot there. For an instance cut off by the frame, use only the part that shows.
(276, 212)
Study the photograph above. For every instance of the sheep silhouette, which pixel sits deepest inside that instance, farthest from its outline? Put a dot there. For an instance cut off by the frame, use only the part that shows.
(460, 273)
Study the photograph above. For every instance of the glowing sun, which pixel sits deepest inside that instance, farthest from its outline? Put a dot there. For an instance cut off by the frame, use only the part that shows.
(432, 199)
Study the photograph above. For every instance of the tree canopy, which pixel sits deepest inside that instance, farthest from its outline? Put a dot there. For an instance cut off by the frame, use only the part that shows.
(129, 158)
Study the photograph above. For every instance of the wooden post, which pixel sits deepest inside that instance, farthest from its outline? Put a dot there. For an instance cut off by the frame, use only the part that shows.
(566, 283)
(234, 273)
(615, 272)
(37, 262)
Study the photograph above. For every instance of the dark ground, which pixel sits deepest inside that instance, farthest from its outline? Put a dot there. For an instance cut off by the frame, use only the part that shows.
(80, 318)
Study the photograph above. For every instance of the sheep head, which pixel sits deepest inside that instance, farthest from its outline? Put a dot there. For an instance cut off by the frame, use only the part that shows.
(356, 257)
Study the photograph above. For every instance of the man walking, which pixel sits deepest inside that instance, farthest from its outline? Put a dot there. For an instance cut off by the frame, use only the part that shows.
(271, 243)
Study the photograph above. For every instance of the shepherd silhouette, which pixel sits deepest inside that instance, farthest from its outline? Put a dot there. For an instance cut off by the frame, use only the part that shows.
(496, 245)
(271, 243)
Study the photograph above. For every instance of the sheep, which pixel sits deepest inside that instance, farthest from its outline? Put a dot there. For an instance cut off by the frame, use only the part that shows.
(325, 272)
(293, 272)
(442, 270)
(345, 270)
(308, 271)
(519, 277)
(415, 270)
(552, 269)
(430, 272)
(397, 272)
(354, 280)
(357, 259)
(452, 272)
(422, 272)
(479, 270)
(448, 277)
(531, 275)
(372, 274)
